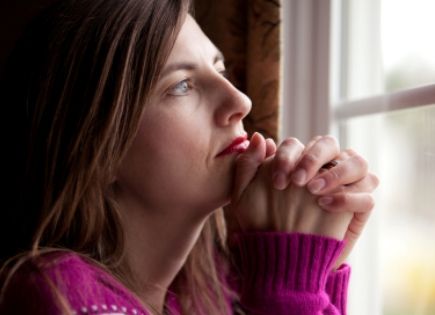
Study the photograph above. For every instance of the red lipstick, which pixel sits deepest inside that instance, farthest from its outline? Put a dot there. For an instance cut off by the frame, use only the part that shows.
(238, 145)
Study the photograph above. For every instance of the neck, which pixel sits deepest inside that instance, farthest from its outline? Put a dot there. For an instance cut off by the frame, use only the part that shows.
(157, 246)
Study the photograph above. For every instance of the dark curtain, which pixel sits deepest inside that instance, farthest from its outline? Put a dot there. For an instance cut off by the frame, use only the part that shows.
(248, 34)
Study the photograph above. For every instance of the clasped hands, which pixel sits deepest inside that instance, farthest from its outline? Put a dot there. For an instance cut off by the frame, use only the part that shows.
(286, 189)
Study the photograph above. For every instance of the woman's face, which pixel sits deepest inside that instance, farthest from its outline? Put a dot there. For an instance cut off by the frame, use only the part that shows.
(195, 114)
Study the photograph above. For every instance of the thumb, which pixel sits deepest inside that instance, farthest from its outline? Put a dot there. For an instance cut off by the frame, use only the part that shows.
(247, 164)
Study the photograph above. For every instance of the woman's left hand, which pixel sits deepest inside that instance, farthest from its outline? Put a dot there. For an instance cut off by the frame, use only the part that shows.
(346, 187)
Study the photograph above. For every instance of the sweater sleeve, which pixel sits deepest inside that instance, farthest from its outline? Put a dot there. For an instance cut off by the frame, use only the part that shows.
(283, 274)
(336, 288)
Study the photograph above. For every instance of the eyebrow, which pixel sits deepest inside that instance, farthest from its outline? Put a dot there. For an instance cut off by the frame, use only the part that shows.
(190, 66)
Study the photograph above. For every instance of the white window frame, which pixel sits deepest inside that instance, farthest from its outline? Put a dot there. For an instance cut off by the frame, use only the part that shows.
(305, 84)
(315, 98)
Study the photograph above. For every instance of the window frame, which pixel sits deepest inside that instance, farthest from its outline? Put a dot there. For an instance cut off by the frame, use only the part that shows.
(317, 91)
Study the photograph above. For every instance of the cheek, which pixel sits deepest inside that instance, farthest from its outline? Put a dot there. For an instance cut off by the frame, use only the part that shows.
(163, 151)
(172, 163)
(168, 162)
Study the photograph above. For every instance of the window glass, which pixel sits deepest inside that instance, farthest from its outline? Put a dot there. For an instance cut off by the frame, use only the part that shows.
(401, 150)
(408, 47)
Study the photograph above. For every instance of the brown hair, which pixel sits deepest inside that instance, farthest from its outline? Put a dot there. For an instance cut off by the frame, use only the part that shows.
(75, 88)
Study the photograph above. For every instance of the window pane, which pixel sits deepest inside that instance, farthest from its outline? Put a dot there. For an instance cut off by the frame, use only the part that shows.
(408, 48)
(381, 46)
(401, 150)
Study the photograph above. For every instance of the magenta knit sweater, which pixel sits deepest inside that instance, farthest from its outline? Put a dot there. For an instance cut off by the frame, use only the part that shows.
(279, 274)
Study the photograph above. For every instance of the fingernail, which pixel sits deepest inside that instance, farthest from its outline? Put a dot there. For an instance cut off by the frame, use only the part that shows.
(316, 185)
(279, 181)
(299, 177)
(325, 201)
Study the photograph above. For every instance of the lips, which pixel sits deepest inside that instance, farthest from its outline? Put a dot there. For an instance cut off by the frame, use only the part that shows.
(238, 145)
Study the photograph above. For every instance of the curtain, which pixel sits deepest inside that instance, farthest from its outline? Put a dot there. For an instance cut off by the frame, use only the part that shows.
(248, 34)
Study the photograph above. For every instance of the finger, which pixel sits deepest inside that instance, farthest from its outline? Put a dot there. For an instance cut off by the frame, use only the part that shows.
(356, 226)
(322, 151)
(347, 202)
(345, 172)
(311, 142)
(367, 184)
(247, 164)
(286, 157)
(341, 157)
(352, 234)
(270, 147)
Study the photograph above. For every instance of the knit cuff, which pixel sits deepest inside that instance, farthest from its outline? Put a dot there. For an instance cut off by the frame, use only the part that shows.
(337, 286)
(275, 262)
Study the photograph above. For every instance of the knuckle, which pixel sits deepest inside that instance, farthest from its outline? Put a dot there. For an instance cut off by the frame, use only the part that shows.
(316, 138)
(330, 140)
(271, 140)
(342, 199)
(339, 200)
(343, 155)
(313, 141)
(284, 161)
(354, 231)
(287, 153)
(350, 152)
(292, 142)
(309, 160)
(345, 199)
(360, 162)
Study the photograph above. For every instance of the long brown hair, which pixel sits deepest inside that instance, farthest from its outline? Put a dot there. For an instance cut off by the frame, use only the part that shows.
(74, 90)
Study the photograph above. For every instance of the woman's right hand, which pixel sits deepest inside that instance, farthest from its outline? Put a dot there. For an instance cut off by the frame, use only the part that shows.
(260, 206)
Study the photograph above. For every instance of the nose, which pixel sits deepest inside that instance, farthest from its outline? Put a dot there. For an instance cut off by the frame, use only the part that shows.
(233, 104)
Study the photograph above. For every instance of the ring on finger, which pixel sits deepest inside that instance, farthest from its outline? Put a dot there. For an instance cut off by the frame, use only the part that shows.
(330, 164)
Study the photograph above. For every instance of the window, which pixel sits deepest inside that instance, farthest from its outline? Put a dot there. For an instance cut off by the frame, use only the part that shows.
(407, 48)
(378, 62)
(382, 110)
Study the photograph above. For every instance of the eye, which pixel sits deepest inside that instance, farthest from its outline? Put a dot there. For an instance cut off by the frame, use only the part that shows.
(181, 88)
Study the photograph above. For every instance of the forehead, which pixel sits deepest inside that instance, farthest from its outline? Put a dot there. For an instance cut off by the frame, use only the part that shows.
(191, 43)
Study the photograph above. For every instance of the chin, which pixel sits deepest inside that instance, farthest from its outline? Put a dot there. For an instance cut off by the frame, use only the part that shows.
(218, 203)
(220, 194)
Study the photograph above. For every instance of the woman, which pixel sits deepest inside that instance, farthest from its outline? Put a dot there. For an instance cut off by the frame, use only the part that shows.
(128, 137)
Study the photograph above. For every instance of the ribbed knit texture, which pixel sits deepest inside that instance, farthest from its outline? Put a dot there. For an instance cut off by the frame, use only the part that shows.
(336, 288)
(280, 274)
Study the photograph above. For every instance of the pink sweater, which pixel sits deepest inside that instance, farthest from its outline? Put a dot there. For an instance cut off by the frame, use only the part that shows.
(279, 274)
